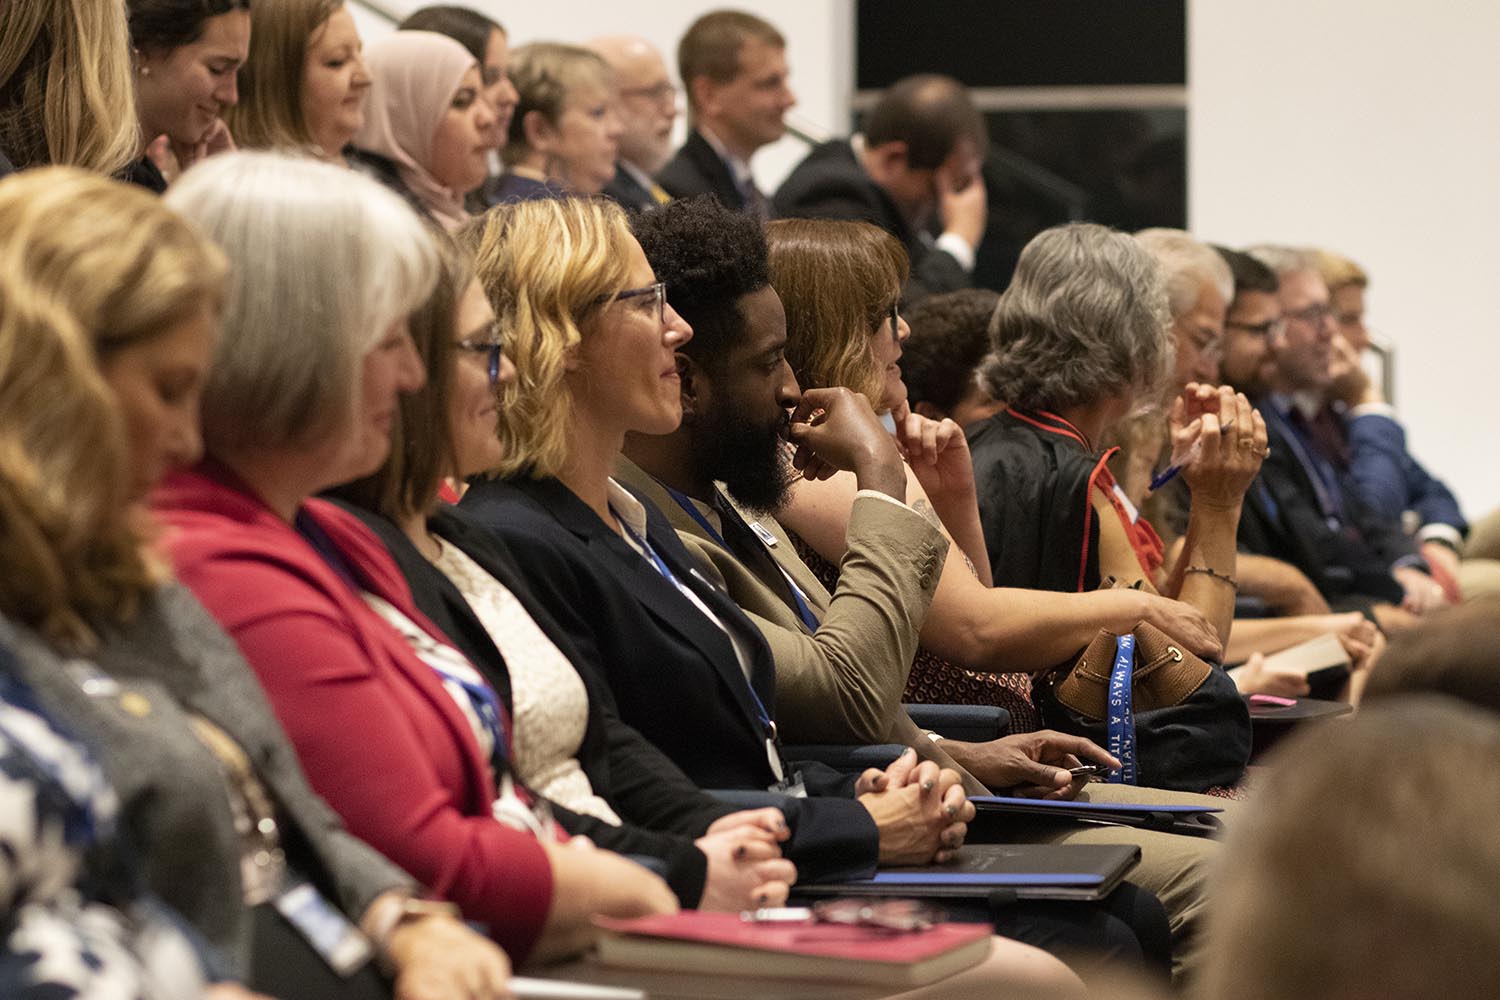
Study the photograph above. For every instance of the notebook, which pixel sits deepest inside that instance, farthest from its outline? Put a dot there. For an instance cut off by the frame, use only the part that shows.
(1030, 871)
(1191, 819)
(724, 944)
(1322, 660)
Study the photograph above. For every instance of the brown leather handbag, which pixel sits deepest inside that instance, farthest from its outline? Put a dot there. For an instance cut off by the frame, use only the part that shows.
(1165, 673)
(1192, 728)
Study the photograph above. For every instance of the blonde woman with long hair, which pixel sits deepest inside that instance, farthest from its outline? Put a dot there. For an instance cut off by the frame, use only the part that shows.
(65, 86)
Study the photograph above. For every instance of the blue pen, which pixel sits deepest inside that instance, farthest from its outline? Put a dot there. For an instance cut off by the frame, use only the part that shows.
(1165, 476)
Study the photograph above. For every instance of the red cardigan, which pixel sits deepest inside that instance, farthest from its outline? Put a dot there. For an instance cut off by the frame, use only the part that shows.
(377, 734)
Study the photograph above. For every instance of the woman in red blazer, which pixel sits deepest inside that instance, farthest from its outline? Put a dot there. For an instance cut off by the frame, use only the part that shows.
(301, 396)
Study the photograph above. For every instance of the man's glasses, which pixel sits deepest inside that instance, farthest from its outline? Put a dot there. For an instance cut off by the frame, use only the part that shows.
(663, 93)
(1271, 328)
(1313, 315)
(658, 291)
(489, 344)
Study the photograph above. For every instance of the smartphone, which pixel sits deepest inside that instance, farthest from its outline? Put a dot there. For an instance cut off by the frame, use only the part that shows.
(1090, 771)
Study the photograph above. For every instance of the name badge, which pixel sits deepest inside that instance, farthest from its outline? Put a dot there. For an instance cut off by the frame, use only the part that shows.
(793, 786)
(763, 533)
(325, 928)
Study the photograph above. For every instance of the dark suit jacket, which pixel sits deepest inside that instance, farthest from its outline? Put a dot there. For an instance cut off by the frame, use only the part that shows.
(696, 169)
(830, 183)
(1283, 518)
(663, 810)
(1390, 480)
(628, 193)
(672, 673)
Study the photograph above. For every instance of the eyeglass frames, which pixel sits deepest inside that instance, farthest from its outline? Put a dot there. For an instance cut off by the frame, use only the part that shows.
(658, 291)
(490, 344)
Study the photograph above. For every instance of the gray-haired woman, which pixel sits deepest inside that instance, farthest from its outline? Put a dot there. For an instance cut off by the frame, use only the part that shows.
(1079, 339)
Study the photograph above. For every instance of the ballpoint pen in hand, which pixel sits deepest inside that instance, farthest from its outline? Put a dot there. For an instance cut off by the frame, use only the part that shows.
(1182, 460)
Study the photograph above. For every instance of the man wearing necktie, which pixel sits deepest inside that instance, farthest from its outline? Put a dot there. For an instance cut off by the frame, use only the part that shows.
(733, 68)
(648, 107)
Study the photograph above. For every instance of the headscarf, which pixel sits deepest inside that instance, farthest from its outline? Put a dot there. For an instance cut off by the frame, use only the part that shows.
(414, 75)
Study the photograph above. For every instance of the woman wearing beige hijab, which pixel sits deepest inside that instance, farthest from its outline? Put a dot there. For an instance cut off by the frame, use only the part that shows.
(428, 130)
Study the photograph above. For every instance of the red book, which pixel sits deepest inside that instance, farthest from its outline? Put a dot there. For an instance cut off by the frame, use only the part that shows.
(723, 944)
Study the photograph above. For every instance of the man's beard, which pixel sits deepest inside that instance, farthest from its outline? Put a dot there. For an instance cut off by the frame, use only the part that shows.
(749, 459)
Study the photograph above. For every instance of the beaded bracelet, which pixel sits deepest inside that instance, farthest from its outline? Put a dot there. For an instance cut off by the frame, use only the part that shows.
(1215, 574)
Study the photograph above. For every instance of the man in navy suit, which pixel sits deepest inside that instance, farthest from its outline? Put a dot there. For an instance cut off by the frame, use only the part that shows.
(733, 68)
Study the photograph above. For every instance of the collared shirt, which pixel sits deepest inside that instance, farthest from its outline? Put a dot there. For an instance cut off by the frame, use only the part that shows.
(632, 514)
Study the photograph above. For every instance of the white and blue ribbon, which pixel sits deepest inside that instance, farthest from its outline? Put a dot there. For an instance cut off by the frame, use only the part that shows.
(1121, 717)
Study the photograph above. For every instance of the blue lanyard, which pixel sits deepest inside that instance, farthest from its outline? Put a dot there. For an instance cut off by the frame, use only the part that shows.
(1322, 475)
(1121, 717)
(765, 717)
(799, 599)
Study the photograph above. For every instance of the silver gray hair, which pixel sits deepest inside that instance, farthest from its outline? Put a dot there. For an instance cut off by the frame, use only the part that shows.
(1186, 264)
(322, 262)
(1284, 260)
(1085, 318)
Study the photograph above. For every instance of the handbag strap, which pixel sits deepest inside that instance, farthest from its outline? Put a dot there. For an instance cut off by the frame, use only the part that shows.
(1120, 727)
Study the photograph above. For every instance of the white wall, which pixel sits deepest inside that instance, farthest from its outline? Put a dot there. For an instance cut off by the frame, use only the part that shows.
(1371, 127)
(820, 49)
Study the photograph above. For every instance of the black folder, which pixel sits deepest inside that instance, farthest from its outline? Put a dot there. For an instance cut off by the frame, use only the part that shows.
(1028, 871)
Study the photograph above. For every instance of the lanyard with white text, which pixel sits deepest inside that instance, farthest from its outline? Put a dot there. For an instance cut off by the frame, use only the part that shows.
(1121, 717)
(768, 725)
(799, 599)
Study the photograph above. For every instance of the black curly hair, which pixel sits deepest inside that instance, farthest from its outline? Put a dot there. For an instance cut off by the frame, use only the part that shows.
(709, 257)
(949, 337)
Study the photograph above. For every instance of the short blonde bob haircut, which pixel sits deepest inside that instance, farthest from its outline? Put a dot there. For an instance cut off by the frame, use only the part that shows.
(66, 92)
(838, 282)
(126, 266)
(1339, 271)
(323, 262)
(269, 114)
(73, 559)
(548, 267)
(1085, 318)
(545, 74)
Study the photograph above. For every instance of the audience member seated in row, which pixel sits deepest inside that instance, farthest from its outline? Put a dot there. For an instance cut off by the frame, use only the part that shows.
(77, 917)
(210, 789)
(1371, 870)
(187, 54)
(1300, 510)
(428, 130)
(304, 85)
(733, 70)
(316, 605)
(1079, 337)
(600, 777)
(66, 94)
(950, 336)
(1381, 470)
(647, 105)
(920, 156)
(565, 133)
(488, 43)
(695, 676)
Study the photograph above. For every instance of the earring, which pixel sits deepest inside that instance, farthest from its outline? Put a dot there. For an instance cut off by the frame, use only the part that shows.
(145, 70)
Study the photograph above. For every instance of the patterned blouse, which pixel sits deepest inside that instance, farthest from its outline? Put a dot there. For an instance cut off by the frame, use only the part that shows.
(71, 923)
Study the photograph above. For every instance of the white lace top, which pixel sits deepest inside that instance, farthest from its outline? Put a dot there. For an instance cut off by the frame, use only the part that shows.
(549, 702)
